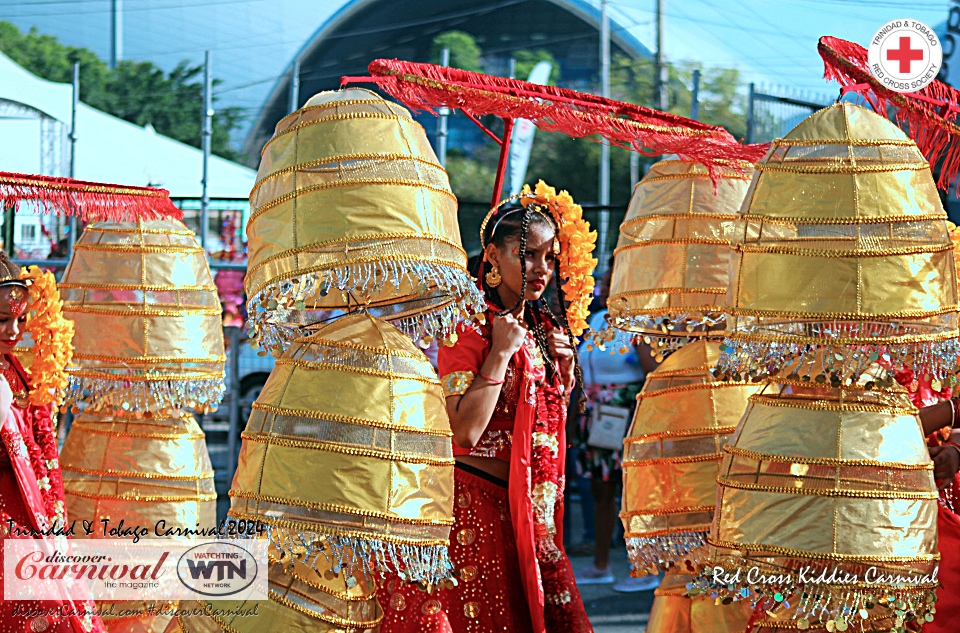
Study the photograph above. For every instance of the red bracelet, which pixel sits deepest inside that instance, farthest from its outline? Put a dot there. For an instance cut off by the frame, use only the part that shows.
(954, 412)
(489, 379)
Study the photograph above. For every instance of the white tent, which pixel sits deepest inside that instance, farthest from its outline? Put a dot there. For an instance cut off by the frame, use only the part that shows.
(34, 130)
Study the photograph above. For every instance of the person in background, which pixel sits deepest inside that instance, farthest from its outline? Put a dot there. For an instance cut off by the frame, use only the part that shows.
(612, 380)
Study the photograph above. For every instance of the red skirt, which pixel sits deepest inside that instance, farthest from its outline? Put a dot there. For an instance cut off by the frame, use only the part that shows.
(489, 596)
(948, 595)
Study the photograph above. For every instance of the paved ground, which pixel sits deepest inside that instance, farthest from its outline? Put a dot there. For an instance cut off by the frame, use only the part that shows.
(609, 611)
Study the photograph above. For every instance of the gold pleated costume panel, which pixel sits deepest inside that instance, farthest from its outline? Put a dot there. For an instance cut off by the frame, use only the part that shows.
(843, 275)
(149, 336)
(359, 407)
(301, 600)
(671, 266)
(149, 347)
(672, 458)
(674, 612)
(352, 206)
(844, 243)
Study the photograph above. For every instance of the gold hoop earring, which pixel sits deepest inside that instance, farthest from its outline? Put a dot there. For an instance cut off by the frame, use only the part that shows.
(493, 277)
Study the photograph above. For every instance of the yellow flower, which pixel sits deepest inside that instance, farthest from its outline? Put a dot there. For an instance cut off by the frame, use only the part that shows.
(577, 241)
(52, 337)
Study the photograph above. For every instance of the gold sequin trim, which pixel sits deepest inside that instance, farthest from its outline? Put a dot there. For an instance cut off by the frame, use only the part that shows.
(132, 474)
(703, 431)
(689, 175)
(806, 221)
(655, 217)
(333, 447)
(695, 527)
(842, 168)
(339, 158)
(147, 360)
(372, 237)
(137, 248)
(854, 142)
(756, 337)
(346, 116)
(146, 288)
(824, 405)
(688, 459)
(456, 383)
(668, 512)
(144, 312)
(138, 231)
(314, 415)
(799, 553)
(324, 616)
(828, 492)
(824, 461)
(840, 253)
(352, 182)
(369, 371)
(694, 387)
(131, 496)
(645, 243)
(164, 376)
(674, 291)
(329, 507)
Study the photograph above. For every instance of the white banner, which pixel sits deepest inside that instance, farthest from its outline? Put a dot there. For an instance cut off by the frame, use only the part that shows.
(150, 569)
(523, 132)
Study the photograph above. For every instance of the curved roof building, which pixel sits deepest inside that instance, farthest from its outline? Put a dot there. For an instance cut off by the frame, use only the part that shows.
(363, 30)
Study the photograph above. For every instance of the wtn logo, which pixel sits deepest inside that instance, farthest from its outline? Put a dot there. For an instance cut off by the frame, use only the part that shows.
(217, 569)
(225, 569)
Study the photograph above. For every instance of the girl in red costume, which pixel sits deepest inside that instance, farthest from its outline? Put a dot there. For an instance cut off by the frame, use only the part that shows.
(939, 416)
(507, 384)
(31, 488)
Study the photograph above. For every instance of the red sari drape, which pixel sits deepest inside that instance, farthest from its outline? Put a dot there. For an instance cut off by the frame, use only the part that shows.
(31, 503)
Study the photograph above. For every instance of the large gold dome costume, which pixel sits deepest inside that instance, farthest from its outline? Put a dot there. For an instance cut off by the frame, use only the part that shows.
(149, 346)
(352, 208)
(381, 448)
(828, 471)
(669, 285)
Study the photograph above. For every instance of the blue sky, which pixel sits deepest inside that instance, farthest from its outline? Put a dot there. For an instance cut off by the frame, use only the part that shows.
(253, 41)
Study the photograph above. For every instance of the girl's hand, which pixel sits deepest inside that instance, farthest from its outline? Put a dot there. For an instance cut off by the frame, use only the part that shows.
(507, 335)
(946, 463)
(563, 352)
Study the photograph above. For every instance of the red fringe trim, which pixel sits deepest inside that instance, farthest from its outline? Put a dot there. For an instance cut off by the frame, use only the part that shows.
(89, 201)
(576, 114)
(930, 114)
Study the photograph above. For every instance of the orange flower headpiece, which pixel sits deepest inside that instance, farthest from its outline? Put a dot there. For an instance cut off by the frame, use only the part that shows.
(52, 337)
(577, 241)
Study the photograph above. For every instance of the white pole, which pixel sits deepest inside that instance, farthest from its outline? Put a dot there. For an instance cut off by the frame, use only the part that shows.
(116, 32)
(294, 87)
(72, 224)
(604, 147)
(444, 113)
(206, 138)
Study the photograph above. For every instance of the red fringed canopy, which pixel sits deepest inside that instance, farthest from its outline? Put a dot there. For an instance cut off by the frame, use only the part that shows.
(88, 200)
(576, 114)
(930, 114)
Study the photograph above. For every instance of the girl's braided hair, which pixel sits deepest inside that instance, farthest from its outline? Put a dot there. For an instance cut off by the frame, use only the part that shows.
(514, 222)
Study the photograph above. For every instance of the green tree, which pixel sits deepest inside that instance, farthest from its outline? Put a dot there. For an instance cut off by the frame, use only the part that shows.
(464, 51)
(526, 60)
(137, 92)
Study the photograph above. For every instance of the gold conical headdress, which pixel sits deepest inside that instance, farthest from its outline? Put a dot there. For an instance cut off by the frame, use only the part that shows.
(379, 451)
(826, 490)
(672, 261)
(844, 248)
(149, 338)
(351, 207)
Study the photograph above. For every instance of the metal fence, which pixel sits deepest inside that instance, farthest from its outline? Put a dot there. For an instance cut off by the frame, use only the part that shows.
(773, 111)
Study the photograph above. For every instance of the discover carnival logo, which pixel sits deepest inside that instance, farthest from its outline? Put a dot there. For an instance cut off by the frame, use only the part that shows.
(151, 569)
(905, 55)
